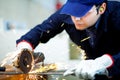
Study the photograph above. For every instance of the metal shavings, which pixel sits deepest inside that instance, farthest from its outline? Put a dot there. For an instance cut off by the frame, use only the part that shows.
(83, 57)
(83, 54)
(73, 45)
(45, 68)
(78, 48)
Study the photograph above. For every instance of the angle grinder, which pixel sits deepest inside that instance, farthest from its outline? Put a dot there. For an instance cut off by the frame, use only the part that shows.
(27, 59)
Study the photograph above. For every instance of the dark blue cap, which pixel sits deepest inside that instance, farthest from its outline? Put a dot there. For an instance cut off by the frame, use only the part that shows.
(79, 8)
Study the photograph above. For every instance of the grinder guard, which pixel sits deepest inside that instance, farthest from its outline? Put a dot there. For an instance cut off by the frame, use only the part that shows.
(24, 61)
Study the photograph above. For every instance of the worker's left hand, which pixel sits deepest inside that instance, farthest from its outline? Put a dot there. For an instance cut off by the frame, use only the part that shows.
(87, 69)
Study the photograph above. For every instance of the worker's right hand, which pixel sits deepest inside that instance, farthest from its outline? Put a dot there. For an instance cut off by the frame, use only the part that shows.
(88, 69)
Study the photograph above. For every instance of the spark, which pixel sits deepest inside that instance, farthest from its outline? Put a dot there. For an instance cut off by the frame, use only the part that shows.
(8, 58)
(73, 45)
(45, 68)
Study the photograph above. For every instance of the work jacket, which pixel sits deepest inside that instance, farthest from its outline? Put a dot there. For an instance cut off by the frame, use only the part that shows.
(107, 34)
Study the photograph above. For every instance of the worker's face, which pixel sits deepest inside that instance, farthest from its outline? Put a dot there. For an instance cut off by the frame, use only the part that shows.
(88, 19)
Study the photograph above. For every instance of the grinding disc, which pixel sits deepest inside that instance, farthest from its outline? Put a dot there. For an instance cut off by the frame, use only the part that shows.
(25, 61)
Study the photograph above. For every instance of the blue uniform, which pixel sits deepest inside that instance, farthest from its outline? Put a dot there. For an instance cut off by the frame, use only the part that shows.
(107, 35)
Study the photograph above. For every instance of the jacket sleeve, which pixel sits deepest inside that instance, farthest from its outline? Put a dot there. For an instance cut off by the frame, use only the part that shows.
(41, 33)
(115, 69)
(115, 21)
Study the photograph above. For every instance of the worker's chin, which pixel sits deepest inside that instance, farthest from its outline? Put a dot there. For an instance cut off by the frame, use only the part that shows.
(80, 28)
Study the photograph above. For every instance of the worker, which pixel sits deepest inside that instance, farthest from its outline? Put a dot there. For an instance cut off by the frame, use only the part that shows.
(92, 24)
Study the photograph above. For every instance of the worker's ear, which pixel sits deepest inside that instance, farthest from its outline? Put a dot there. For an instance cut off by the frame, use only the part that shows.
(102, 8)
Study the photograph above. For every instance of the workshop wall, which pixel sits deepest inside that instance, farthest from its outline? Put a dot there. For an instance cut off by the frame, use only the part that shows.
(29, 12)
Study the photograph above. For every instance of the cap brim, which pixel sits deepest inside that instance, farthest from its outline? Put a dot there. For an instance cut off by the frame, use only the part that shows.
(75, 9)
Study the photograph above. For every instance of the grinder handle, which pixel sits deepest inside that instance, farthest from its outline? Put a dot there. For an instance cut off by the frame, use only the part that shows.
(38, 57)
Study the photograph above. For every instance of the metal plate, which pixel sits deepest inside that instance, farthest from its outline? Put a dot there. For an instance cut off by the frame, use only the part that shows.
(42, 73)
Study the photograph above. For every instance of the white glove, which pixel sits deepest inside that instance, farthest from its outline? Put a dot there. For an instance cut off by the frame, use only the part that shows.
(87, 69)
(24, 44)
